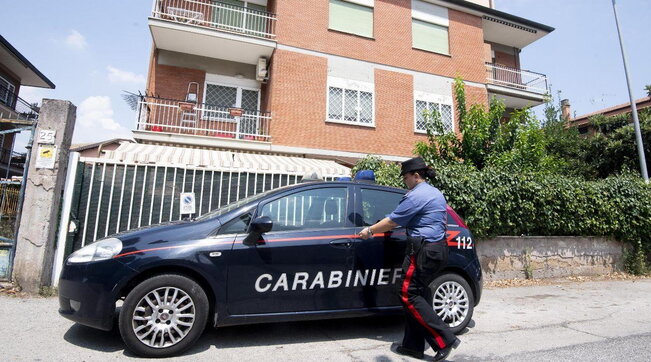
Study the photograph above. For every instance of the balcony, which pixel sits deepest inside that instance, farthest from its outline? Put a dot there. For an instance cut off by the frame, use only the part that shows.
(15, 109)
(516, 87)
(213, 29)
(174, 121)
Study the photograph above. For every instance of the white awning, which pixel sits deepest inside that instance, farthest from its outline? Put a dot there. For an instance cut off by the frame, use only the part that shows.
(134, 153)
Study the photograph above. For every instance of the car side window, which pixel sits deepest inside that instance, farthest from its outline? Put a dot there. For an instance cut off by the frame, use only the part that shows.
(309, 209)
(377, 204)
(238, 225)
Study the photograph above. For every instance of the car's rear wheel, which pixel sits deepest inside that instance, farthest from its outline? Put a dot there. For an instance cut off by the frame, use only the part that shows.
(163, 315)
(452, 300)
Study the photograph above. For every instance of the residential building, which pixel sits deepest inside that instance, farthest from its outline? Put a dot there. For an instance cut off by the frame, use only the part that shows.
(326, 78)
(582, 123)
(15, 72)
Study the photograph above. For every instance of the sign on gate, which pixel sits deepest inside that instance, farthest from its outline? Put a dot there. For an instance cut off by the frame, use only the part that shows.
(187, 203)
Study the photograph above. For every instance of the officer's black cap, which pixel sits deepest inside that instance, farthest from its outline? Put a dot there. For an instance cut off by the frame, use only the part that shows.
(413, 164)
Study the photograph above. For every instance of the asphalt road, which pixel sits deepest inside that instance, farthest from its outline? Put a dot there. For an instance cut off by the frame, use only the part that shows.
(589, 321)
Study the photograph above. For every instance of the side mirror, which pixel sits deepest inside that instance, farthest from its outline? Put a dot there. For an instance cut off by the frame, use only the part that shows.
(259, 226)
(262, 224)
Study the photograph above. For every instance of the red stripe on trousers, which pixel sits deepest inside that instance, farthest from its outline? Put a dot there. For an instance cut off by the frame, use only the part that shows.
(410, 307)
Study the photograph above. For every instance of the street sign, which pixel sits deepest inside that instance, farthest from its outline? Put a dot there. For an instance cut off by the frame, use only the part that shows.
(187, 203)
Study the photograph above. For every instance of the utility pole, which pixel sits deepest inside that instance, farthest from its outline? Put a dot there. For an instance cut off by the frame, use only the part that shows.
(636, 121)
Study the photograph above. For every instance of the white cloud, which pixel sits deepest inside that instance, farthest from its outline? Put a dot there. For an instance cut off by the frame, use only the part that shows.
(95, 121)
(116, 75)
(76, 41)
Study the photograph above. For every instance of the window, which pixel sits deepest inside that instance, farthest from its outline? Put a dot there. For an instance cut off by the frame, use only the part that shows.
(425, 111)
(228, 96)
(376, 205)
(429, 27)
(7, 91)
(238, 225)
(311, 209)
(218, 97)
(352, 16)
(350, 102)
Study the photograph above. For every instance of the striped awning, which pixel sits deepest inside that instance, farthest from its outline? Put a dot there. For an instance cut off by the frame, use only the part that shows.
(135, 153)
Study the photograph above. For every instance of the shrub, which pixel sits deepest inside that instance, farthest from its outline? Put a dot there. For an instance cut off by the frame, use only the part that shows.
(496, 201)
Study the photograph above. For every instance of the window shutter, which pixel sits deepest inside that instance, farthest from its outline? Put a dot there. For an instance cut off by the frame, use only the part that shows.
(430, 37)
(351, 18)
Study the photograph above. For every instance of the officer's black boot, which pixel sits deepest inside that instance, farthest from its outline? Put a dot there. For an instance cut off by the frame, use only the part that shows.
(445, 352)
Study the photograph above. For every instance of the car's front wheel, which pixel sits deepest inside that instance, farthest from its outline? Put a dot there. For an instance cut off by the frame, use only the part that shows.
(453, 300)
(163, 315)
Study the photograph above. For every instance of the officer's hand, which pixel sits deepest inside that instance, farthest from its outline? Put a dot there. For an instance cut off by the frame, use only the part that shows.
(365, 234)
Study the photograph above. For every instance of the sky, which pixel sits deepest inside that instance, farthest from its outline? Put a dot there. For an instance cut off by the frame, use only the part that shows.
(95, 50)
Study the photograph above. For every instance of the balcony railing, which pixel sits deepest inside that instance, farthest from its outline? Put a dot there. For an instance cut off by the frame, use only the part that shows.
(14, 107)
(217, 15)
(188, 118)
(517, 79)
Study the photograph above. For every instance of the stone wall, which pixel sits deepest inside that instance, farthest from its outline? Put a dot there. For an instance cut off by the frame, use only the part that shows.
(508, 257)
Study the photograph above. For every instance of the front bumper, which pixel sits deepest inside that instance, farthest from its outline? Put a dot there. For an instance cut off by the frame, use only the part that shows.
(88, 292)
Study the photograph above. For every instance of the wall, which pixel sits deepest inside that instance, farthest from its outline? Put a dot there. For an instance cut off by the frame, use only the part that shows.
(507, 257)
(306, 27)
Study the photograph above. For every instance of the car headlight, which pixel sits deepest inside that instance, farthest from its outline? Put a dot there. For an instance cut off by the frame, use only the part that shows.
(99, 250)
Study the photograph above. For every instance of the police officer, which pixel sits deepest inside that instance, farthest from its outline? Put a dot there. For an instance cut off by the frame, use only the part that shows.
(422, 211)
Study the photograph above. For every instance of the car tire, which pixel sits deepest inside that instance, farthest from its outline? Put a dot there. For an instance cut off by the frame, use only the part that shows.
(163, 316)
(453, 300)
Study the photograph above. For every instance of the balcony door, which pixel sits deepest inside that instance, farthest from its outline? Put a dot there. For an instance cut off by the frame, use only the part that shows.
(220, 97)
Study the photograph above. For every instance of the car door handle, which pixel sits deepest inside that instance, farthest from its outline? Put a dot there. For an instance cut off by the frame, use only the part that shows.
(342, 242)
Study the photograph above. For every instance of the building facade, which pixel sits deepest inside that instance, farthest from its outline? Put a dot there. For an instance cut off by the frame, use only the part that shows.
(326, 78)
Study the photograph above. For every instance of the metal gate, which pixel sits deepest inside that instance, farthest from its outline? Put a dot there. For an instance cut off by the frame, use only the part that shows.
(16, 116)
(104, 196)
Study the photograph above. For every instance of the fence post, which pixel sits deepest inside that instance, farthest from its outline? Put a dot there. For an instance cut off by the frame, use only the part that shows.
(65, 217)
(43, 188)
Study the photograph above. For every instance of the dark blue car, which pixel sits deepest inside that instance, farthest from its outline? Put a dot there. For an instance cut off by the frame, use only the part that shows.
(284, 255)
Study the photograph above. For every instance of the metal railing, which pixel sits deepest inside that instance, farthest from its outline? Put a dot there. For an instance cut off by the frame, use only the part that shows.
(217, 15)
(14, 107)
(517, 78)
(180, 117)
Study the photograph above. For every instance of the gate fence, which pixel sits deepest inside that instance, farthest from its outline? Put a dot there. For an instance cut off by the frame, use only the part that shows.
(112, 196)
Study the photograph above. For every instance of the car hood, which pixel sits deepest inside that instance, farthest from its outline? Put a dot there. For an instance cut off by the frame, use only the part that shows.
(172, 233)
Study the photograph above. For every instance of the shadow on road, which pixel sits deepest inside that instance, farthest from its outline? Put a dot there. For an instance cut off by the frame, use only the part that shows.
(385, 328)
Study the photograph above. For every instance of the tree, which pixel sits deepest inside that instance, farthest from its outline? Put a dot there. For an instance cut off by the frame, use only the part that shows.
(488, 137)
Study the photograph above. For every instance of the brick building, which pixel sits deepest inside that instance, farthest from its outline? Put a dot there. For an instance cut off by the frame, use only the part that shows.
(15, 71)
(326, 78)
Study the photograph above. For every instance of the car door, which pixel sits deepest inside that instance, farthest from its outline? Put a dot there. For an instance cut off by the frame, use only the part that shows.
(379, 258)
(301, 264)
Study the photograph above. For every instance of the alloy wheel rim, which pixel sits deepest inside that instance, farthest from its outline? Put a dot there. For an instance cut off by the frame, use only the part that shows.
(451, 303)
(163, 317)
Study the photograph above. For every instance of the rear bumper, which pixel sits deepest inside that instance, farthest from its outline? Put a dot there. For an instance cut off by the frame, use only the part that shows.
(88, 292)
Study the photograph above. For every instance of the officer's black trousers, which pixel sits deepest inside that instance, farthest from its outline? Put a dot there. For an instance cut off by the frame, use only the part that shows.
(422, 322)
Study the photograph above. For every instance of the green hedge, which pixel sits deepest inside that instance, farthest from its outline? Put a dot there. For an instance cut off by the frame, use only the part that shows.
(498, 202)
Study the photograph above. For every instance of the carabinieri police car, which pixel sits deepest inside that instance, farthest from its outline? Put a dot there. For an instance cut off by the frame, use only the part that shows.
(283, 255)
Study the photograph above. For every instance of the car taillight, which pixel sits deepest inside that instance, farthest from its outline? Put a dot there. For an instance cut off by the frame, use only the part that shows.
(456, 217)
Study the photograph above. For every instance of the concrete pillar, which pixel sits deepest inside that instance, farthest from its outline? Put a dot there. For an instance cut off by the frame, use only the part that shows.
(40, 212)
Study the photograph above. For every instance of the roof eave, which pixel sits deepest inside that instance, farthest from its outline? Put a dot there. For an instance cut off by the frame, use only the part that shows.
(26, 63)
(506, 16)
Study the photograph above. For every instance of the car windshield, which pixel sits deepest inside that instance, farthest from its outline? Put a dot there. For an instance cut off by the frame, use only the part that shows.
(234, 205)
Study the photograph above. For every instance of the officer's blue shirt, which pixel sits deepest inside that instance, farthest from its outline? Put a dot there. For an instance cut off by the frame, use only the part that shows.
(422, 212)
